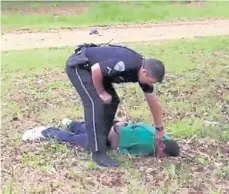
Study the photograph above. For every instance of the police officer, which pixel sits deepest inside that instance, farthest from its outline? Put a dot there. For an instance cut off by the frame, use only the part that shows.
(92, 69)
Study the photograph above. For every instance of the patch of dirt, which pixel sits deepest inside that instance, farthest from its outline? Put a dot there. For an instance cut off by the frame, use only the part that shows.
(194, 89)
(199, 168)
(33, 99)
(193, 3)
(200, 160)
(115, 34)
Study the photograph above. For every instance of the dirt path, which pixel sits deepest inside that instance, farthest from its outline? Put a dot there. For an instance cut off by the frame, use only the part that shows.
(122, 33)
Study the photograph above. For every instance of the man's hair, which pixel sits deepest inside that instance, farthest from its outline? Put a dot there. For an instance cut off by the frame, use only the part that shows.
(171, 148)
(155, 68)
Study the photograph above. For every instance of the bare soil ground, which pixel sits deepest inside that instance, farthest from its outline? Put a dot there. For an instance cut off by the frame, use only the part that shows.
(117, 34)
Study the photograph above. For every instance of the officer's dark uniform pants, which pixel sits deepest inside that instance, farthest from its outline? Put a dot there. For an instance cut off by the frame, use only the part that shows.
(98, 116)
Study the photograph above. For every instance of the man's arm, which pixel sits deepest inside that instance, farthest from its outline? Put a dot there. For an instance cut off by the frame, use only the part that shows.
(155, 108)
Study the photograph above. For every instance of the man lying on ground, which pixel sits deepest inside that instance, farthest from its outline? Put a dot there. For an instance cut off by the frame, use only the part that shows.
(135, 138)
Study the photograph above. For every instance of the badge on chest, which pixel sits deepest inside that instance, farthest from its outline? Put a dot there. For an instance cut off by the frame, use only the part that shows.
(120, 66)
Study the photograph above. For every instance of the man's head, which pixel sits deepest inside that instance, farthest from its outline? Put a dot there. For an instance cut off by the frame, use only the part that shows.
(152, 71)
(171, 148)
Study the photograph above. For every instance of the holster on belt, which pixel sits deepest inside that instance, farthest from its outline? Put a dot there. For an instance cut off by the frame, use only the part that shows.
(80, 60)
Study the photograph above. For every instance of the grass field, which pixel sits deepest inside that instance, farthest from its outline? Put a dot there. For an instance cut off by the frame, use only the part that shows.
(45, 15)
(36, 91)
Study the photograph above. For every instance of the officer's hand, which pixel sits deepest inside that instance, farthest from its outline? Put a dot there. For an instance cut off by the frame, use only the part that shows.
(105, 97)
(159, 143)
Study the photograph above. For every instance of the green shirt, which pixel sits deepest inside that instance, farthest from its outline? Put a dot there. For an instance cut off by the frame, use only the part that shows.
(138, 138)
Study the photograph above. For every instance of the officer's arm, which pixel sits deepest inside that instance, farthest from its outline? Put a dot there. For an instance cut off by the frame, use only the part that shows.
(155, 108)
(104, 68)
(97, 78)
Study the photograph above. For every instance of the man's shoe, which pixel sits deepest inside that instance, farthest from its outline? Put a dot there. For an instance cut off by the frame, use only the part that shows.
(102, 159)
(34, 134)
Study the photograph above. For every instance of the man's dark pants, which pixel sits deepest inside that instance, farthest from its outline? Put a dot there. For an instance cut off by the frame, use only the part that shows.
(98, 116)
(76, 134)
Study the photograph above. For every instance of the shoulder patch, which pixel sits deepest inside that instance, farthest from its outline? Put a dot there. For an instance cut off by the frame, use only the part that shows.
(120, 66)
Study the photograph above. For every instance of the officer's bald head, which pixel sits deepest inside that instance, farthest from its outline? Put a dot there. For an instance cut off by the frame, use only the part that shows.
(155, 68)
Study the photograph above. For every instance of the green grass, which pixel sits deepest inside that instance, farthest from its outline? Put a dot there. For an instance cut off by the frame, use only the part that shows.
(106, 13)
(186, 59)
(176, 54)
(35, 89)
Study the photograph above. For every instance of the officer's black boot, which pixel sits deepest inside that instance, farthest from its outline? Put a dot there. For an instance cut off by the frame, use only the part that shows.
(102, 159)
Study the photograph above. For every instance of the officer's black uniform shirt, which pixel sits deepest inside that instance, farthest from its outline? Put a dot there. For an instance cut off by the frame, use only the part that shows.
(117, 64)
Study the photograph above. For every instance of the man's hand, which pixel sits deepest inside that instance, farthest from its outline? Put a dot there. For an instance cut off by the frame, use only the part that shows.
(105, 97)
